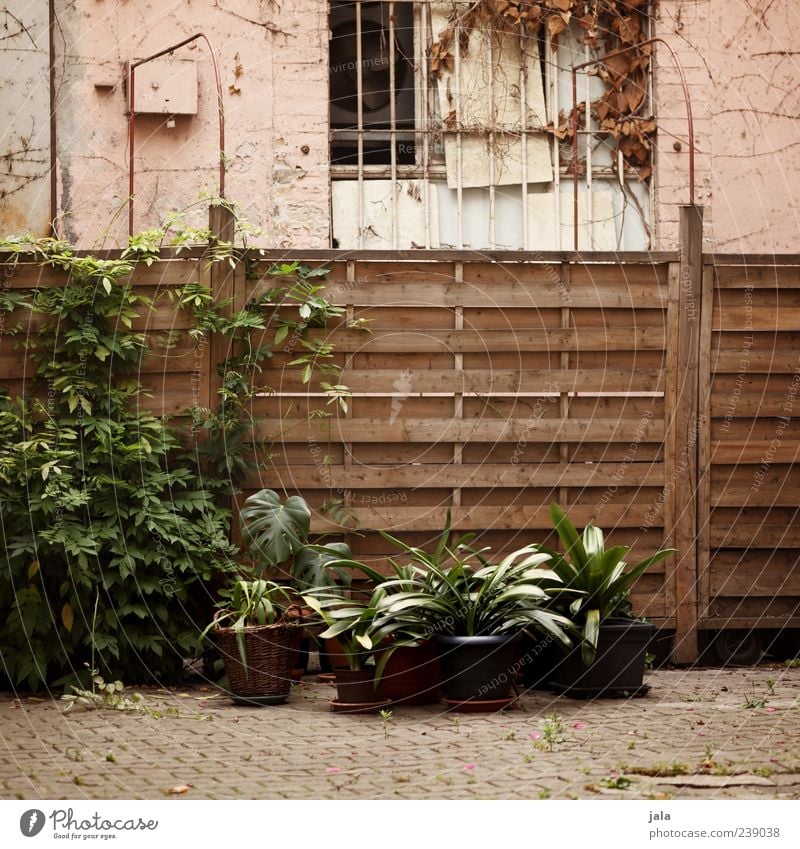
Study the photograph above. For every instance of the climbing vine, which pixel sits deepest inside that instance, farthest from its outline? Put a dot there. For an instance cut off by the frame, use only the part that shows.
(115, 523)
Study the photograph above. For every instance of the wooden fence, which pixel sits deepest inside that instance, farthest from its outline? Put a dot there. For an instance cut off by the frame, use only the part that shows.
(652, 394)
(749, 477)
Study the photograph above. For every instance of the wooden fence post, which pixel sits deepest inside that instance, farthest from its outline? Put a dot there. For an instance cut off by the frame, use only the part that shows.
(227, 284)
(685, 296)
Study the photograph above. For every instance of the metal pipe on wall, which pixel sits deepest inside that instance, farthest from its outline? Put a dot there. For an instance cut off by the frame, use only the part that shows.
(51, 12)
(132, 116)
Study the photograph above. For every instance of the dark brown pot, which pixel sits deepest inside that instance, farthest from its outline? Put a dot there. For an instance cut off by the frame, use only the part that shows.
(356, 685)
(412, 676)
(335, 654)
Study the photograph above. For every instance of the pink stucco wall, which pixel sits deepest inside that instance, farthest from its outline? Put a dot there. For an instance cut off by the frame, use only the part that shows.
(276, 110)
(740, 64)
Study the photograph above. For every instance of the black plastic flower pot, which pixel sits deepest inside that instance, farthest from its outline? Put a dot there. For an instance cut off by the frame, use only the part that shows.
(618, 666)
(540, 656)
(478, 668)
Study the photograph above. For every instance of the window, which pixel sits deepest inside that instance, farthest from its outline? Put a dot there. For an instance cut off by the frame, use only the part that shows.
(448, 128)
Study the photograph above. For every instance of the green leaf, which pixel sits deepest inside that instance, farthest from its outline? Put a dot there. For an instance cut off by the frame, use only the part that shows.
(274, 530)
(67, 617)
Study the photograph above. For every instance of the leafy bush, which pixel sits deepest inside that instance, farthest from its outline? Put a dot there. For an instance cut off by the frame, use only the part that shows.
(112, 531)
(109, 539)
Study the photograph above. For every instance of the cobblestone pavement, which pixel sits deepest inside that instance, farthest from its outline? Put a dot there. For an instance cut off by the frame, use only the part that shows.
(692, 737)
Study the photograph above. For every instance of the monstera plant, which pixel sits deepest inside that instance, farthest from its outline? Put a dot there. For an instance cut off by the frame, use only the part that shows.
(276, 533)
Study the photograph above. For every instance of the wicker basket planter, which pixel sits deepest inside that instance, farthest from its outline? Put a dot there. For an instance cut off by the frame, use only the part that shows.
(270, 651)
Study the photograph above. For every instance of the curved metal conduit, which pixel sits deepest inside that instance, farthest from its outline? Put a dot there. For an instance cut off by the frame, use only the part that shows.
(132, 117)
(598, 61)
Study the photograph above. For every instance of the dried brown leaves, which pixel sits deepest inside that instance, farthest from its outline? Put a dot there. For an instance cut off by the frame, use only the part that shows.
(608, 25)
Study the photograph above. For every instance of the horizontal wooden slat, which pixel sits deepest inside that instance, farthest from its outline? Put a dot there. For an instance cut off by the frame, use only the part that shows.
(453, 430)
(754, 495)
(732, 612)
(483, 381)
(754, 574)
(399, 518)
(462, 341)
(484, 475)
(758, 405)
(756, 318)
(754, 451)
(761, 277)
(748, 360)
(160, 274)
(759, 623)
(504, 294)
(265, 258)
(740, 535)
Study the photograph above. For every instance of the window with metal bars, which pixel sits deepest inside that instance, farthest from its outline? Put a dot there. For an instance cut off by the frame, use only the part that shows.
(448, 131)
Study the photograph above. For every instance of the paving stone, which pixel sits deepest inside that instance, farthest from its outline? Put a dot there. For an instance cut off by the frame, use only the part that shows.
(291, 751)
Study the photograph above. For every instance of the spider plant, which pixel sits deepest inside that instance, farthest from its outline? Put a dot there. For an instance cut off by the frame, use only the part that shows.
(251, 603)
(362, 625)
(597, 573)
(455, 590)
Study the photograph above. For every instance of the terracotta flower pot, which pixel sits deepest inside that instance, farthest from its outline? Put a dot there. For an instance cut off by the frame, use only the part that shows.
(412, 676)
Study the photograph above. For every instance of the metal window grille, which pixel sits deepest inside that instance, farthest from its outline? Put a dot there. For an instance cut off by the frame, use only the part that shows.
(461, 158)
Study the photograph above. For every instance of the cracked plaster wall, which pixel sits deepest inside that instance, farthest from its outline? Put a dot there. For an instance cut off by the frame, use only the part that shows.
(275, 109)
(739, 58)
(24, 109)
(741, 62)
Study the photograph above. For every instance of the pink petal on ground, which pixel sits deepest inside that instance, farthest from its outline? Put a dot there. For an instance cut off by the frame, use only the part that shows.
(469, 767)
(535, 736)
(579, 725)
(701, 733)
(771, 710)
(333, 770)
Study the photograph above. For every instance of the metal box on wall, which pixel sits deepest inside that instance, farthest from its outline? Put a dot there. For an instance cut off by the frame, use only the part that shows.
(167, 86)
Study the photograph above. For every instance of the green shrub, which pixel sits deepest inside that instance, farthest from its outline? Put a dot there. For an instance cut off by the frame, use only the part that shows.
(110, 536)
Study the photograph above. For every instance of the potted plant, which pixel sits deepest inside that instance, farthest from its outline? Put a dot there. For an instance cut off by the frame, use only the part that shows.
(276, 533)
(363, 626)
(411, 674)
(611, 657)
(476, 615)
(257, 630)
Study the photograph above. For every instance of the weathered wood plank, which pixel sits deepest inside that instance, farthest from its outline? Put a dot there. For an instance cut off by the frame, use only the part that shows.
(463, 341)
(449, 430)
(399, 519)
(488, 475)
(483, 381)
